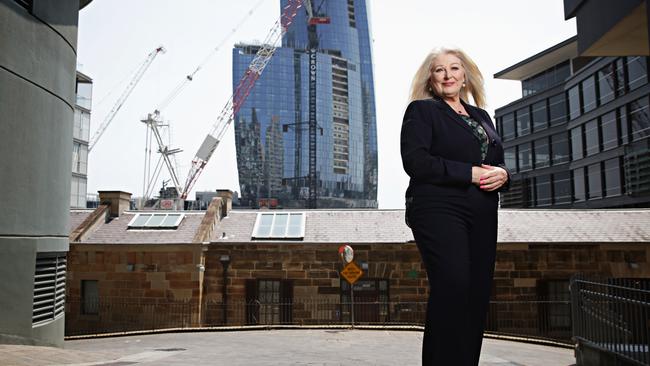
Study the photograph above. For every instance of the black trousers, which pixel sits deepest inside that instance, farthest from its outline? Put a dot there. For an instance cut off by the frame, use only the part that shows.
(456, 237)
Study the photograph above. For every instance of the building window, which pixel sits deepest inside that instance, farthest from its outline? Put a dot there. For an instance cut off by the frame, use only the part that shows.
(557, 109)
(542, 156)
(619, 65)
(89, 297)
(589, 101)
(290, 225)
(637, 71)
(529, 186)
(508, 127)
(151, 221)
(574, 102)
(606, 84)
(525, 161)
(556, 311)
(523, 121)
(579, 193)
(613, 181)
(79, 158)
(543, 190)
(510, 158)
(540, 116)
(592, 137)
(560, 148)
(640, 119)
(268, 301)
(577, 149)
(609, 129)
(84, 94)
(623, 125)
(562, 187)
(81, 125)
(595, 181)
(78, 187)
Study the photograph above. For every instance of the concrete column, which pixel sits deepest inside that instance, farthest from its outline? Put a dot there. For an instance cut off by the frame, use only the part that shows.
(37, 91)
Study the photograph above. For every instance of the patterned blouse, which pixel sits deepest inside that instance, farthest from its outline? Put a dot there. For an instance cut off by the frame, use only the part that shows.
(480, 134)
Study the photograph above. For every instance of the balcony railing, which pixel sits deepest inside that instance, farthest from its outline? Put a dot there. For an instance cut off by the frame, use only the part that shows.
(538, 318)
(612, 318)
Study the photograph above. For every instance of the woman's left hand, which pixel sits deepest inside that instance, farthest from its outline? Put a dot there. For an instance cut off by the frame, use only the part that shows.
(494, 178)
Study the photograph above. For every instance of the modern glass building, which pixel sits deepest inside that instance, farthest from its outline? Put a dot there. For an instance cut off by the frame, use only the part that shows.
(272, 127)
(80, 138)
(580, 135)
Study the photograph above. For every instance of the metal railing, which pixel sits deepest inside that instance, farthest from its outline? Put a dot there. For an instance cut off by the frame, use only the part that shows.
(535, 318)
(612, 316)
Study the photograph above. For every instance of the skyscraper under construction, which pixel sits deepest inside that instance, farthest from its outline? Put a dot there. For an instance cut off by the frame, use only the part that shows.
(306, 136)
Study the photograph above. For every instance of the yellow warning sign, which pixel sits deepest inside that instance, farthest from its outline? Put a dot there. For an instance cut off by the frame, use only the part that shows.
(351, 272)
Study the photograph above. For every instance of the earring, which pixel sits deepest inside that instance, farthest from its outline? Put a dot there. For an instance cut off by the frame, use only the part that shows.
(430, 90)
(464, 85)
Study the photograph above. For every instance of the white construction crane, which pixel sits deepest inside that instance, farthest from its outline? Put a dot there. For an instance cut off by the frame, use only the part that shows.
(120, 101)
(243, 89)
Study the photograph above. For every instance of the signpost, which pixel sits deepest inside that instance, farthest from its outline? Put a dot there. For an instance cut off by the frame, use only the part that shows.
(351, 272)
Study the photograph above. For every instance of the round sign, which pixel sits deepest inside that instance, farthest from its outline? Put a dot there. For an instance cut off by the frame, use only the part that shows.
(346, 253)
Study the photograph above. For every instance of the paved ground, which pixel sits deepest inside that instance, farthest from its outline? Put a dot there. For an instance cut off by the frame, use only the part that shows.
(273, 347)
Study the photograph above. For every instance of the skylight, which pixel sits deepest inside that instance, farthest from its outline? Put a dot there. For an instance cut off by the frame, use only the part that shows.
(276, 225)
(156, 221)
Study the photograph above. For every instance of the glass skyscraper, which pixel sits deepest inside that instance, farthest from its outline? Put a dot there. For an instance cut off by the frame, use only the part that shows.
(272, 126)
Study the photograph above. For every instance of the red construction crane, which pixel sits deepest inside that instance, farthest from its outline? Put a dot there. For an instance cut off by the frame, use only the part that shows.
(243, 89)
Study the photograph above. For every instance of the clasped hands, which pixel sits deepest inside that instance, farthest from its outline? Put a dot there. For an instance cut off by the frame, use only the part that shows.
(488, 177)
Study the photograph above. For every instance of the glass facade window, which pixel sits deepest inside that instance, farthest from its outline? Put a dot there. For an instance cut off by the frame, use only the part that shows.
(543, 190)
(623, 125)
(609, 130)
(525, 161)
(592, 140)
(637, 71)
(508, 127)
(562, 187)
(523, 121)
(619, 66)
(79, 158)
(540, 116)
(272, 140)
(510, 158)
(542, 153)
(574, 102)
(84, 94)
(594, 181)
(589, 101)
(606, 84)
(579, 193)
(546, 79)
(81, 125)
(560, 148)
(613, 181)
(78, 192)
(640, 119)
(557, 109)
(577, 147)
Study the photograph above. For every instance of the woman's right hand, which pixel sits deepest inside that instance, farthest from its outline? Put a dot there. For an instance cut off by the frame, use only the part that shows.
(477, 172)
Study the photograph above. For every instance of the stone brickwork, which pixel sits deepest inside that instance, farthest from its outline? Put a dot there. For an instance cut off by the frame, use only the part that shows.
(132, 278)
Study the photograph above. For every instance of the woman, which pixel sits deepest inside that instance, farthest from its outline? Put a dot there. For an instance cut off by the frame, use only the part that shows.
(454, 158)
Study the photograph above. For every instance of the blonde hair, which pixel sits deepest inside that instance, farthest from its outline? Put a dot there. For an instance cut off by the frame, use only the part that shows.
(421, 87)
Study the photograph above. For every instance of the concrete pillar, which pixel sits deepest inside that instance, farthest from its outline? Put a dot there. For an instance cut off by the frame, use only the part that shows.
(37, 91)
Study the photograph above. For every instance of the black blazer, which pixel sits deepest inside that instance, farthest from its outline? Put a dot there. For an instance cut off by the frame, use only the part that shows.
(439, 148)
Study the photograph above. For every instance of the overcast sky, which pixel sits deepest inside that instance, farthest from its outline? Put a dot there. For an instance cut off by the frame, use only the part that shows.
(115, 37)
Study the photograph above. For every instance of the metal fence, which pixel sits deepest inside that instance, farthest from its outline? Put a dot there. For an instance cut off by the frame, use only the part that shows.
(536, 318)
(612, 317)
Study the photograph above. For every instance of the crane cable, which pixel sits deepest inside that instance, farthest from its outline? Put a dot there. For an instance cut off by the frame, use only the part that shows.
(188, 78)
